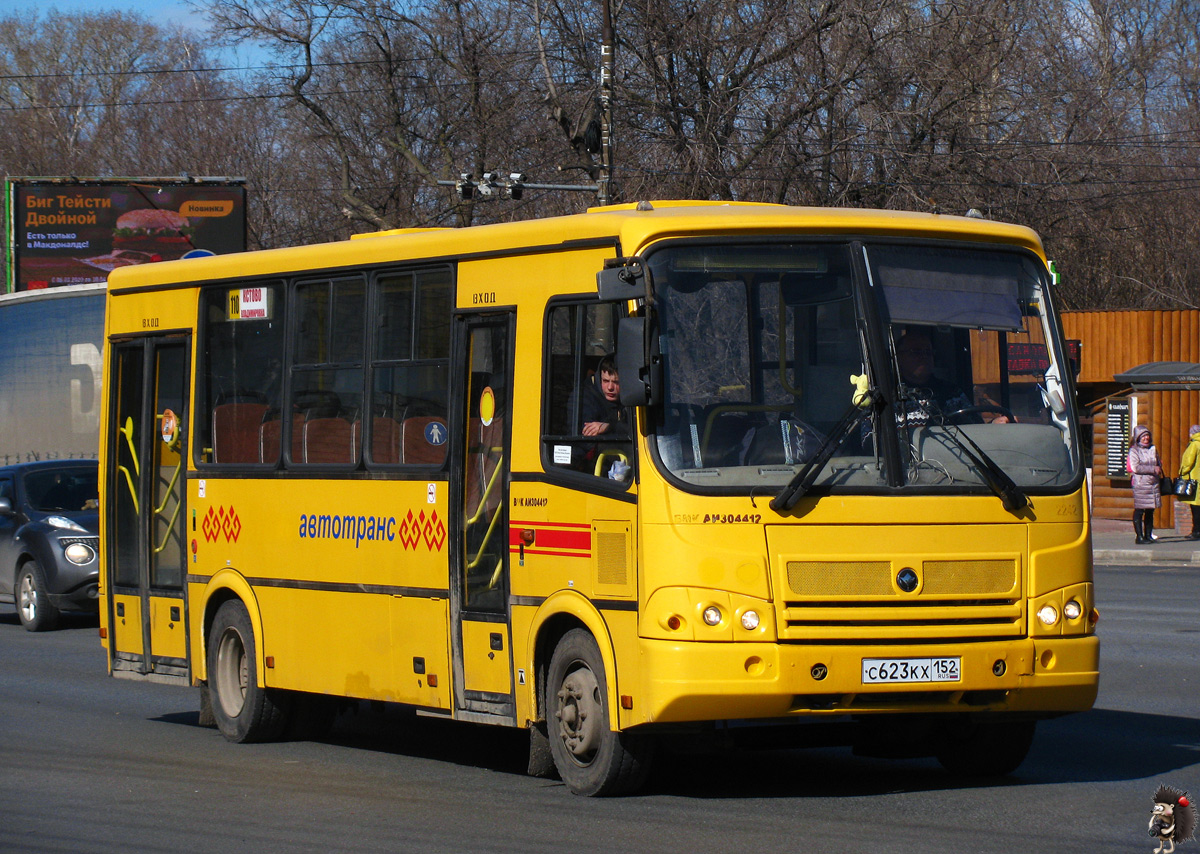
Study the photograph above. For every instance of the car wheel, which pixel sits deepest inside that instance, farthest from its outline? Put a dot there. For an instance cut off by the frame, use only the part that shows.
(244, 712)
(590, 757)
(33, 606)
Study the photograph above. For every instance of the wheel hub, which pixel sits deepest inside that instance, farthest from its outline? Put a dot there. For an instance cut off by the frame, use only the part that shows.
(232, 673)
(28, 599)
(580, 713)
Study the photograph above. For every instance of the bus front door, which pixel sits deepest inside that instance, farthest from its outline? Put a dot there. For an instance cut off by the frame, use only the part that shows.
(145, 488)
(480, 465)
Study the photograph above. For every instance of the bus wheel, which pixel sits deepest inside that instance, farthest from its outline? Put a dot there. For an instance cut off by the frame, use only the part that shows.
(589, 756)
(33, 606)
(244, 712)
(986, 748)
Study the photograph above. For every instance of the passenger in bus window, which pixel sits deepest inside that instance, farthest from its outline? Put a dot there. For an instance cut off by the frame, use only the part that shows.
(602, 410)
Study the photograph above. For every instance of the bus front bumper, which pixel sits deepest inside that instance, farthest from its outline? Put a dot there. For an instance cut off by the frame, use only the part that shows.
(690, 682)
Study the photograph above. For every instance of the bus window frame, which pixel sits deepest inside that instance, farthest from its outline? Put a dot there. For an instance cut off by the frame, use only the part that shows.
(371, 363)
(201, 374)
(286, 308)
(579, 480)
(292, 368)
(873, 314)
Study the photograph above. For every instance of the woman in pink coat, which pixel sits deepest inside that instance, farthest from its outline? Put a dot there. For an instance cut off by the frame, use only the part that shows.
(1145, 470)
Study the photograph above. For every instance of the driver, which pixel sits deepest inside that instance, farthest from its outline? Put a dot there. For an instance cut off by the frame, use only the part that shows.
(926, 397)
(602, 410)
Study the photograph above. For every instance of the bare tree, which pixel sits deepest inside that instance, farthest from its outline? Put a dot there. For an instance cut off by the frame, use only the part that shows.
(108, 93)
(1081, 119)
(395, 96)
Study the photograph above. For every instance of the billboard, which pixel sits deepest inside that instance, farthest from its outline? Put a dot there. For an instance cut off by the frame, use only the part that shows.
(71, 232)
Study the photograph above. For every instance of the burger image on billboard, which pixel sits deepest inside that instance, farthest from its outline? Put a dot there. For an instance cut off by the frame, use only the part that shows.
(160, 232)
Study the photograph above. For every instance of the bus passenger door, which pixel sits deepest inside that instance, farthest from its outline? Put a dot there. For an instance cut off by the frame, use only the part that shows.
(145, 491)
(481, 639)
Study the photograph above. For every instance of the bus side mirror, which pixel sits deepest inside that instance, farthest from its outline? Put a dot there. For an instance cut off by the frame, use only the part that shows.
(621, 280)
(638, 363)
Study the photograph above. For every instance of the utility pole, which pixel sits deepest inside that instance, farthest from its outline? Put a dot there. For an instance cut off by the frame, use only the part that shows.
(606, 105)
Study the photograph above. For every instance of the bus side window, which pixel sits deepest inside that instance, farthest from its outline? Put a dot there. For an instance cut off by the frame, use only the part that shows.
(327, 372)
(239, 378)
(405, 419)
(585, 429)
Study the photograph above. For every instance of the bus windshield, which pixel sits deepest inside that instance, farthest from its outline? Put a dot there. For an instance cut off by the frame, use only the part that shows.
(769, 348)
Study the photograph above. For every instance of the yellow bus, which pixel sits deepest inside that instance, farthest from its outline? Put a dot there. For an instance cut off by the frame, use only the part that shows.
(662, 468)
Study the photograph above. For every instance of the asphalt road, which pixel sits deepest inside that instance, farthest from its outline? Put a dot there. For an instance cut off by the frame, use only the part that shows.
(92, 764)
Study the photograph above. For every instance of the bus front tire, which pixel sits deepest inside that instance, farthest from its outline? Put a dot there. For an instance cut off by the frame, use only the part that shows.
(590, 757)
(244, 711)
(985, 748)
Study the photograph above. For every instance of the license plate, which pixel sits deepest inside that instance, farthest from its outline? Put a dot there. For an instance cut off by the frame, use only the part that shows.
(900, 670)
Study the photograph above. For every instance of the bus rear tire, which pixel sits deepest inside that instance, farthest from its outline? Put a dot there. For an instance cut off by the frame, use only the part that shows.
(985, 748)
(244, 712)
(590, 757)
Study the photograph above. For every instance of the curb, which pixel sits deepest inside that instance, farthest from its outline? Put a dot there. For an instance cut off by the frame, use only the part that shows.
(1144, 557)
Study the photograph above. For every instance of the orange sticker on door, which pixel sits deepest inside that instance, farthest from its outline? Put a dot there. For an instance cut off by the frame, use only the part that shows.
(487, 406)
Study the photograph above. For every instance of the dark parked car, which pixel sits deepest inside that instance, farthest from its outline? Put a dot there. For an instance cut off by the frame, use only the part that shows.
(49, 539)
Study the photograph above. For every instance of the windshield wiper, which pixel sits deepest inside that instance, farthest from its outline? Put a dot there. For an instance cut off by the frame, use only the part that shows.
(803, 479)
(996, 478)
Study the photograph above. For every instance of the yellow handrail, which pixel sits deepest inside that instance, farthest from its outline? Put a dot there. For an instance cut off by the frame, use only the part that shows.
(604, 455)
(487, 491)
(132, 491)
(486, 538)
(479, 511)
(178, 505)
(127, 432)
(170, 528)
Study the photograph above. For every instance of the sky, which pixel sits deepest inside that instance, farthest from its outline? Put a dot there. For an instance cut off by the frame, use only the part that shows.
(163, 11)
(175, 11)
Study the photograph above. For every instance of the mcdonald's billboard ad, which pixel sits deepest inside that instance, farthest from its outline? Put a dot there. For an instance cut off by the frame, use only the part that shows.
(70, 232)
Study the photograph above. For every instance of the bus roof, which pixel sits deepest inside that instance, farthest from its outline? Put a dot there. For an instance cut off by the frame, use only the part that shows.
(630, 227)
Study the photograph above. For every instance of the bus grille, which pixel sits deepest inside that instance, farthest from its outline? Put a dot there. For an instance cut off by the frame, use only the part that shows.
(861, 600)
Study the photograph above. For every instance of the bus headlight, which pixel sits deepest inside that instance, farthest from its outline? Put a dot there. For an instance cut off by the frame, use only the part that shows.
(712, 616)
(1072, 610)
(1048, 614)
(750, 620)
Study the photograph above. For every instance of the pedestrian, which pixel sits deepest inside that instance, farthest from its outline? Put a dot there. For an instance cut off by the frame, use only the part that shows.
(1189, 469)
(1145, 471)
